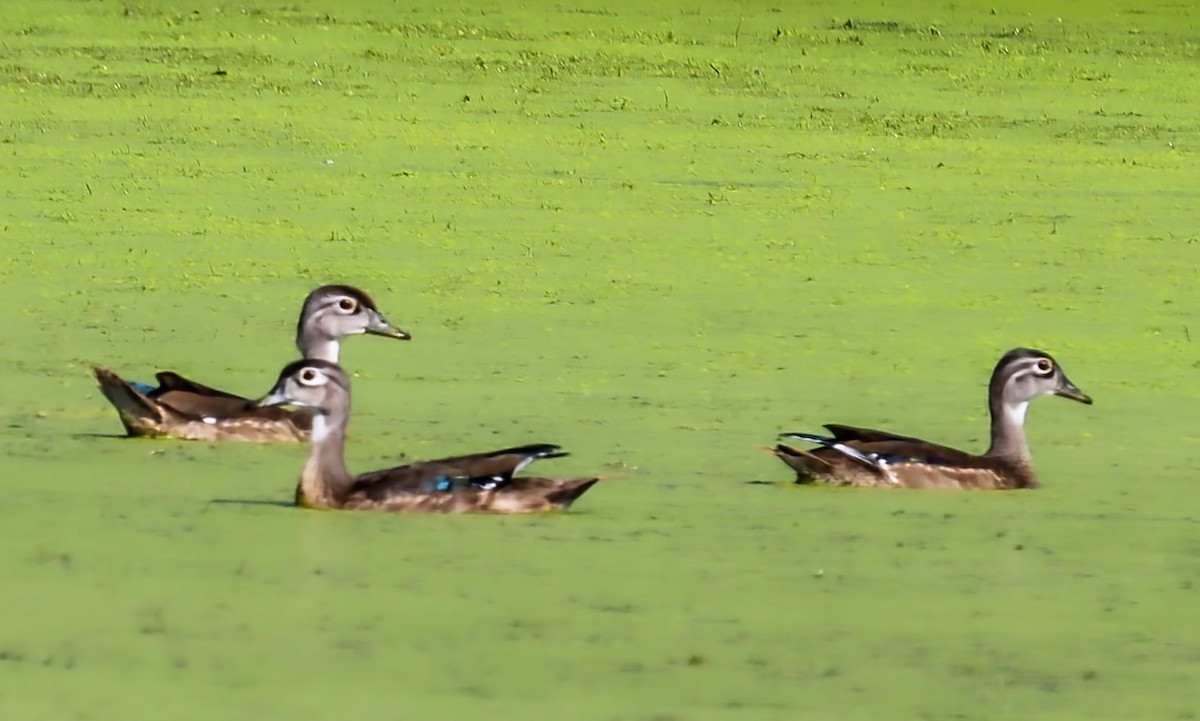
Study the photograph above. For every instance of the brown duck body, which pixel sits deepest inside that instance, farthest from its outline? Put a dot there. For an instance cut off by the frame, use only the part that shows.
(905, 463)
(186, 410)
(183, 409)
(478, 483)
(853, 456)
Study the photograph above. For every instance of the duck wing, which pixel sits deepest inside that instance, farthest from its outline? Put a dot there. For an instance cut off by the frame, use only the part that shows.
(199, 401)
(869, 435)
(171, 382)
(485, 471)
(476, 482)
(896, 451)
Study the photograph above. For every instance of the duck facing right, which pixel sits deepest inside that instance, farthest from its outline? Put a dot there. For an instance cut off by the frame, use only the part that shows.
(866, 457)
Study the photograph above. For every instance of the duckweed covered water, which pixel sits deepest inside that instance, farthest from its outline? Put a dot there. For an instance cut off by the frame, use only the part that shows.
(656, 234)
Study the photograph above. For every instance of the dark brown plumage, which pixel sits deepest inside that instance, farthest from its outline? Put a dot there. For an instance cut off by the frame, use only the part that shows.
(866, 457)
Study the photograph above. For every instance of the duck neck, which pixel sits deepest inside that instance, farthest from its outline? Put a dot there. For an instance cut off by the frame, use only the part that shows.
(320, 347)
(1008, 430)
(325, 481)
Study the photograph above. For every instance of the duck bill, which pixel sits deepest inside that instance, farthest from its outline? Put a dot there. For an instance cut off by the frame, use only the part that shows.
(1069, 390)
(378, 325)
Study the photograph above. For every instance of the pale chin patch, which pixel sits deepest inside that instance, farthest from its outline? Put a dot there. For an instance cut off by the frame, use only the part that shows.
(1015, 412)
(320, 428)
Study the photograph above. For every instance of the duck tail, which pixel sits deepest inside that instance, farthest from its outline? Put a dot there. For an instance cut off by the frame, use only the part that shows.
(140, 415)
(525, 455)
(532, 451)
(569, 491)
(807, 466)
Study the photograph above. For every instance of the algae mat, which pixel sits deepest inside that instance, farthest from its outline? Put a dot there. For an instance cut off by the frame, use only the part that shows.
(656, 234)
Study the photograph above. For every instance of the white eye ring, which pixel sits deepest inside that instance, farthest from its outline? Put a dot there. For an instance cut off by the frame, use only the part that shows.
(309, 376)
(1044, 366)
(348, 304)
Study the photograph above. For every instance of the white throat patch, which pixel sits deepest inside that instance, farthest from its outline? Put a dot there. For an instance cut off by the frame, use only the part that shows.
(325, 350)
(1014, 413)
(320, 428)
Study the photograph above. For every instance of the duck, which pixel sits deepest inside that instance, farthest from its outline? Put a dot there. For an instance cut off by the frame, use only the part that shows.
(853, 456)
(183, 409)
(479, 483)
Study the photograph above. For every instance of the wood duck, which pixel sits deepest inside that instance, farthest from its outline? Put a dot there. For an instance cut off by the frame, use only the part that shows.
(180, 408)
(481, 482)
(865, 457)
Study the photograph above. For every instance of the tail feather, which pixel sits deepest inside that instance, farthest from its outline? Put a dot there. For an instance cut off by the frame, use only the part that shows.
(808, 467)
(570, 491)
(869, 460)
(810, 437)
(531, 453)
(140, 415)
(533, 450)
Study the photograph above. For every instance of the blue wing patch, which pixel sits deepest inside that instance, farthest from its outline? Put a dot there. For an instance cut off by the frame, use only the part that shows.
(450, 484)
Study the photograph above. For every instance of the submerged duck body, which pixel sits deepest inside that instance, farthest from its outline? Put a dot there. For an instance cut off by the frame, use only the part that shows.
(480, 482)
(852, 456)
(183, 409)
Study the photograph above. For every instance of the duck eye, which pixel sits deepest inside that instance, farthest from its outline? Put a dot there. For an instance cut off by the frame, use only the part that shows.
(1044, 366)
(348, 305)
(308, 375)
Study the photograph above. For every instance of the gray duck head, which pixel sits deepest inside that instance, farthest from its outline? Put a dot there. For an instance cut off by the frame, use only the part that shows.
(1021, 375)
(333, 312)
(311, 383)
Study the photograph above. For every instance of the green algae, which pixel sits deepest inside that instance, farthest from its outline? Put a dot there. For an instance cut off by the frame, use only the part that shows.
(655, 234)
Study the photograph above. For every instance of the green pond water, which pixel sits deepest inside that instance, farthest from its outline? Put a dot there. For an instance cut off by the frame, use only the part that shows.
(657, 234)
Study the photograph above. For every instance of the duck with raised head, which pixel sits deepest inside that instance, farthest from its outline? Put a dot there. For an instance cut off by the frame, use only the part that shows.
(865, 457)
(480, 482)
(183, 409)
